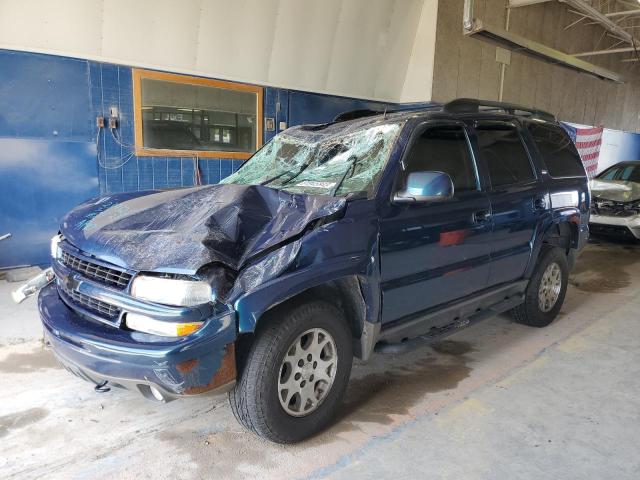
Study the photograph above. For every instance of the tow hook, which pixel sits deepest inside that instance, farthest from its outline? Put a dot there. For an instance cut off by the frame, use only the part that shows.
(102, 387)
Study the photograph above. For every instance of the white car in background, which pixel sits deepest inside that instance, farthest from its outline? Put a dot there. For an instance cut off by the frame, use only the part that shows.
(615, 201)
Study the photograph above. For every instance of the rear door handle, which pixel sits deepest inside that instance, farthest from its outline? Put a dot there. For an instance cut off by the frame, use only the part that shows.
(482, 216)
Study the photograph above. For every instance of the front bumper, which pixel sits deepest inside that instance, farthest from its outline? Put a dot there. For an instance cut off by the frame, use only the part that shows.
(628, 227)
(201, 362)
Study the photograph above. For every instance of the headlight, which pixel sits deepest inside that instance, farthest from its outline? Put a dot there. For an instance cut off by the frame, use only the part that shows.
(55, 246)
(171, 291)
(142, 323)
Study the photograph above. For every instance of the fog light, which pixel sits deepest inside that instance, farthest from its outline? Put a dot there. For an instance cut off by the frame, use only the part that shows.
(142, 323)
(156, 394)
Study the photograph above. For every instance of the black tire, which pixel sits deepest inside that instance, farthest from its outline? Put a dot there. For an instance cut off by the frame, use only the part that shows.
(530, 313)
(254, 400)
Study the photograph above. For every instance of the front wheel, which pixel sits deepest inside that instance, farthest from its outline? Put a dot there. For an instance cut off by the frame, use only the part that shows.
(546, 290)
(295, 373)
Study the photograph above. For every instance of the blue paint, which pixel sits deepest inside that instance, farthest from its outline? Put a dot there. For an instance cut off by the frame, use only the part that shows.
(57, 99)
(47, 150)
(39, 181)
(305, 107)
(133, 355)
(44, 97)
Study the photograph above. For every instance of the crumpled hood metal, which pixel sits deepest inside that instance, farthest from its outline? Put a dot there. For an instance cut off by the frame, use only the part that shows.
(182, 230)
(616, 190)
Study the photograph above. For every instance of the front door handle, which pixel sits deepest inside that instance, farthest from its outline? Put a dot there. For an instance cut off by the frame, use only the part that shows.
(482, 216)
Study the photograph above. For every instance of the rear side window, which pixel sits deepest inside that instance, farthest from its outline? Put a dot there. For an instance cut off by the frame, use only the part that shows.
(444, 149)
(504, 154)
(558, 151)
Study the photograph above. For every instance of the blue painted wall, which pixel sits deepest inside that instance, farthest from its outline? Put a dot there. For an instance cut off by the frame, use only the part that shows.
(53, 157)
(47, 150)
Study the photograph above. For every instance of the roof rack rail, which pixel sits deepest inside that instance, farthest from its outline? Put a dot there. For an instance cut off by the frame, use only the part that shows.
(472, 105)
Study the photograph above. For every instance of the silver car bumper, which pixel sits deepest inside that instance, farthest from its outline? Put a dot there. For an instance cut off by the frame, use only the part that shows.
(615, 225)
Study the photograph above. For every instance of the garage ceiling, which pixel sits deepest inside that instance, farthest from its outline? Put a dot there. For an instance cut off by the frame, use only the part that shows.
(619, 19)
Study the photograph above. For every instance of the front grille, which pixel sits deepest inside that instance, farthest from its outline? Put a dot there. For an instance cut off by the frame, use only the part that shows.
(99, 307)
(107, 275)
(610, 208)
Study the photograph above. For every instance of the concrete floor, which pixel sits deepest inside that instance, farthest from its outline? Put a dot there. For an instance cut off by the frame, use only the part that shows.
(495, 401)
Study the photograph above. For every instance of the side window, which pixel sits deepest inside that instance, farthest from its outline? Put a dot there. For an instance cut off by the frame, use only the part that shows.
(626, 173)
(444, 149)
(558, 151)
(504, 154)
(609, 174)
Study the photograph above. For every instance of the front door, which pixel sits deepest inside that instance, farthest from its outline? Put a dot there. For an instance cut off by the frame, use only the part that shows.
(435, 252)
(518, 198)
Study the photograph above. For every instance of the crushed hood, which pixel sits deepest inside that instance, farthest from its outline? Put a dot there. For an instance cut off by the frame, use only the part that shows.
(616, 190)
(182, 230)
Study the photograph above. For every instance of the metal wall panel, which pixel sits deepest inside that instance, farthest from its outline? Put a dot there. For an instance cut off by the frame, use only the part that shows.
(47, 150)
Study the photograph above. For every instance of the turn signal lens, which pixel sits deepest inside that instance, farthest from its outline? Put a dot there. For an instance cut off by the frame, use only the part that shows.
(142, 323)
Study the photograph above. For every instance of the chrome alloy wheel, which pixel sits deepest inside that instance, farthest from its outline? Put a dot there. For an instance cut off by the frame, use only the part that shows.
(550, 286)
(307, 372)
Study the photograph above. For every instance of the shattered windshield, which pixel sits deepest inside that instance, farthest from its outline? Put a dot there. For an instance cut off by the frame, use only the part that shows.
(309, 160)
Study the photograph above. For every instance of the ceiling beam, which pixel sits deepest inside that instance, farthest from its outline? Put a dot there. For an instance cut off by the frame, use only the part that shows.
(606, 52)
(524, 3)
(620, 14)
(600, 17)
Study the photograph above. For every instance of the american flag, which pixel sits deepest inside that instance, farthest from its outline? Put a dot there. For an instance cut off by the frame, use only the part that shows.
(588, 141)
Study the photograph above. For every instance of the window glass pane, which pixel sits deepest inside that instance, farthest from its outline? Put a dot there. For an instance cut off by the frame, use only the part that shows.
(306, 161)
(609, 174)
(444, 149)
(504, 154)
(626, 173)
(558, 151)
(634, 176)
(180, 116)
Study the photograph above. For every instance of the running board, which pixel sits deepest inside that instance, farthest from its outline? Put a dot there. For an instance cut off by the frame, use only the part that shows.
(451, 328)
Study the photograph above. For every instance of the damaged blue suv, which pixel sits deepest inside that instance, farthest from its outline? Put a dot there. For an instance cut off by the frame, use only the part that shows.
(372, 233)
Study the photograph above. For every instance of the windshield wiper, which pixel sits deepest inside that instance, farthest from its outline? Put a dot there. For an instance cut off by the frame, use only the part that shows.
(302, 168)
(351, 167)
(269, 180)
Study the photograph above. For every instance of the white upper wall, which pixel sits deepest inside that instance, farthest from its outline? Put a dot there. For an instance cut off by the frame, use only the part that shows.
(378, 49)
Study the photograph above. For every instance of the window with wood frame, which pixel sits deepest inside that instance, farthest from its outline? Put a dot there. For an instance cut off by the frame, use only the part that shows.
(179, 115)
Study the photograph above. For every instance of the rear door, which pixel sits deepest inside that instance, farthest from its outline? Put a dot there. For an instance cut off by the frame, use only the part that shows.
(517, 195)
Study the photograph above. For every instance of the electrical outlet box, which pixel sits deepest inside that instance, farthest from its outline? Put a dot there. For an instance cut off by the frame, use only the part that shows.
(503, 56)
(100, 122)
(113, 122)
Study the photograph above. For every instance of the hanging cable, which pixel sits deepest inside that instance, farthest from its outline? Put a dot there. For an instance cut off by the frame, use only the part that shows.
(102, 158)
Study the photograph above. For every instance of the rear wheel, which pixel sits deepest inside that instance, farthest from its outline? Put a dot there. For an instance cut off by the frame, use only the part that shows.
(295, 373)
(546, 290)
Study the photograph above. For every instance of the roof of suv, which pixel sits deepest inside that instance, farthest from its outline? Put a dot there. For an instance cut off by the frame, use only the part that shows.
(355, 120)
(454, 109)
